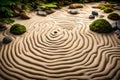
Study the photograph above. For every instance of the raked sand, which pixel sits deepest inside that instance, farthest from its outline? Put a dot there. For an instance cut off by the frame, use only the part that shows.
(60, 47)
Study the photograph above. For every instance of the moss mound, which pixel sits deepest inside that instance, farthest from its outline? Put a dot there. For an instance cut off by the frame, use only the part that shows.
(101, 26)
(17, 29)
(114, 16)
(108, 10)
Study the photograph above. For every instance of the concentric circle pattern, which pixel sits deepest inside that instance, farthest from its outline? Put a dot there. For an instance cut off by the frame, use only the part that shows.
(61, 47)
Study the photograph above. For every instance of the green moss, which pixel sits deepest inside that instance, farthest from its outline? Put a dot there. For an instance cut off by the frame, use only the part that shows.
(17, 29)
(108, 10)
(114, 16)
(7, 20)
(101, 26)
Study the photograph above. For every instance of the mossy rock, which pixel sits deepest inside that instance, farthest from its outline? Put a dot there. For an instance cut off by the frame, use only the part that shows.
(18, 29)
(107, 5)
(101, 26)
(108, 10)
(114, 16)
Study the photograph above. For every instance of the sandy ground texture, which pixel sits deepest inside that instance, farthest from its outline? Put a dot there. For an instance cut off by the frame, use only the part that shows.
(60, 47)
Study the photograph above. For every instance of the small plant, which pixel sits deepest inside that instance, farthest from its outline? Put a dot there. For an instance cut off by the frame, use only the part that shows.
(7, 20)
(108, 10)
(114, 16)
(17, 29)
(49, 5)
(101, 26)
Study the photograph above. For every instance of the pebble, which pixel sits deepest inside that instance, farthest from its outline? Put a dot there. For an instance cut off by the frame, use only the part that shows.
(73, 11)
(91, 17)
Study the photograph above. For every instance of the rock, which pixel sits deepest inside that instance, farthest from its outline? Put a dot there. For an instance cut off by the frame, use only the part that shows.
(3, 26)
(49, 11)
(117, 32)
(41, 13)
(16, 13)
(74, 6)
(101, 16)
(73, 11)
(118, 24)
(116, 7)
(24, 15)
(95, 13)
(7, 39)
(97, 7)
(91, 17)
(114, 25)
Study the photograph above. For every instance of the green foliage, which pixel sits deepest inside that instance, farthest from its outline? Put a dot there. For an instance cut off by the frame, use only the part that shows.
(101, 26)
(6, 11)
(49, 5)
(17, 29)
(114, 16)
(6, 20)
(108, 10)
(9, 2)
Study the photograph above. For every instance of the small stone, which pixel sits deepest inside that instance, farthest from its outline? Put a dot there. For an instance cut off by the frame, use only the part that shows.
(24, 15)
(114, 25)
(94, 13)
(41, 13)
(3, 26)
(74, 6)
(117, 32)
(101, 16)
(91, 17)
(73, 11)
(7, 39)
(118, 24)
(116, 7)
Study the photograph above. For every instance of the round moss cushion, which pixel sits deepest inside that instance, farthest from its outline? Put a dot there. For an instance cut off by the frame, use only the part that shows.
(18, 29)
(114, 16)
(101, 26)
(108, 10)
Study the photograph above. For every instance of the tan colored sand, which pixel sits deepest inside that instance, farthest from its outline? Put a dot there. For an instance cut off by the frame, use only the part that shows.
(73, 53)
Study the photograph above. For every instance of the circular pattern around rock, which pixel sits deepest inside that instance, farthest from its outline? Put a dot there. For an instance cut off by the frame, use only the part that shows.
(101, 26)
(7, 39)
(18, 29)
(114, 16)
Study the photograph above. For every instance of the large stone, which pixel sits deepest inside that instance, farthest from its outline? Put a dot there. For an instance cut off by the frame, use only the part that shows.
(24, 15)
(41, 13)
(118, 24)
(95, 13)
(49, 11)
(114, 25)
(3, 26)
(74, 6)
(117, 32)
(7, 39)
(91, 17)
(116, 7)
(73, 11)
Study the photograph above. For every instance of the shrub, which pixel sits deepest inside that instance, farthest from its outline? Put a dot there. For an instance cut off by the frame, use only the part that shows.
(101, 26)
(114, 16)
(17, 29)
(49, 5)
(6, 20)
(108, 10)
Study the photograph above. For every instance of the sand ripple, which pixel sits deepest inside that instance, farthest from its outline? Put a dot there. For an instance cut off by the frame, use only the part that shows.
(61, 47)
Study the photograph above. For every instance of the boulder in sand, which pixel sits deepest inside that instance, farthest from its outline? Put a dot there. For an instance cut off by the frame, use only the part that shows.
(73, 11)
(42, 13)
(91, 17)
(95, 13)
(3, 26)
(24, 15)
(7, 39)
(74, 6)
